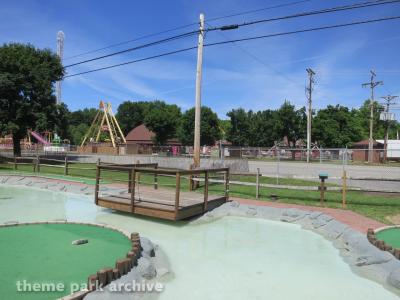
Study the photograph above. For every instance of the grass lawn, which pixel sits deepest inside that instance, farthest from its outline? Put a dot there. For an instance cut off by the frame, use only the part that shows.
(44, 253)
(375, 206)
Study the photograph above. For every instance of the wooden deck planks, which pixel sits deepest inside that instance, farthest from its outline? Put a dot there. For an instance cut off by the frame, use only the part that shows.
(162, 201)
(155, 201)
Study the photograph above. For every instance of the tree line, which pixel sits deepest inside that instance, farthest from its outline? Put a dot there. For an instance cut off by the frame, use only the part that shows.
(27, 101)
(333, 126)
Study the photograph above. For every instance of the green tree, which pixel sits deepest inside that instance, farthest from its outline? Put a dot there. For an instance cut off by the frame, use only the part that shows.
(209, 127)
(79, 122)
(27, 77)
(239, 133)
(131, 114)
(163, 119)
(225, 126)
(77, 132)
(262, 128)
(291, 123)
(336, 126)
(363, 117)
(82, 116)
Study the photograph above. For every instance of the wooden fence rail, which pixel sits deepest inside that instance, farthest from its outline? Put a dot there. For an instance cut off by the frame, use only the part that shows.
(218, 175)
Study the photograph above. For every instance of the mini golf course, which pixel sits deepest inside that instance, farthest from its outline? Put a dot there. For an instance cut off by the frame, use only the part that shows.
(44, 253)
(391, 236)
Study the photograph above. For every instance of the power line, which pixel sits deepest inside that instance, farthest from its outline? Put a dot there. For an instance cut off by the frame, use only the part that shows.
(226, 27)
(186, 26)
(257, 59)
(310, 13)
(241, 40)
(172, 38)
(304, 30)
(258, 10)
(133, 61)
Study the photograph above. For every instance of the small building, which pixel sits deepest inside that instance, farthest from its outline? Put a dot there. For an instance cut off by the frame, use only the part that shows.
(360, 151)
(140, 141)
(393, 149)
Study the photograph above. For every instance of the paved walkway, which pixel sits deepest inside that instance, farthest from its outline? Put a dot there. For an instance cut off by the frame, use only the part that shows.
(352, 219)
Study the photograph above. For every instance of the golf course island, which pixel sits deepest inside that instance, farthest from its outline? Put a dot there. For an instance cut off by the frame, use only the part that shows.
(50, 253)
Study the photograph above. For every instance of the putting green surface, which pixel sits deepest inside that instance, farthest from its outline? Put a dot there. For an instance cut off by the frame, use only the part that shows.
(43, 253)
(391, 236)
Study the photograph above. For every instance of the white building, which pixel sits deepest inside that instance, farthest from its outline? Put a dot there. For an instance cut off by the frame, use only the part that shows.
(393, 148)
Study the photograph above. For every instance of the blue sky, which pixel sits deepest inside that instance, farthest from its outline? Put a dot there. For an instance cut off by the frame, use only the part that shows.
(232, 77)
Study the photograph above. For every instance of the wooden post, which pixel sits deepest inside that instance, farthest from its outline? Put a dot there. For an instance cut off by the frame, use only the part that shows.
(138, 175)
(96, 187)
(155, 178)
(191, 179)
(226, 185)
(38, 163)
(133, 184)
(177, 193)
(129, 181)
(344, 188)
(258, 184)
(322, 191)
(205, 191)
(66, 165)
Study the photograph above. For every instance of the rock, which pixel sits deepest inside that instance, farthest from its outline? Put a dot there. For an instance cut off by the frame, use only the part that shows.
(321, 220)
(315, 214)
(333, 230)
(146, 268)
(147, 246)
(251, 211)
(394, 278)
(292, 215)
(235, 204)
(373, 257)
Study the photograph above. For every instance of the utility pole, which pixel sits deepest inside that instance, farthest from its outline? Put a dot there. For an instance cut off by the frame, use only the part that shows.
(197, 118)
(309, 89)
(387, 116)
(372, 84)
(60, 53)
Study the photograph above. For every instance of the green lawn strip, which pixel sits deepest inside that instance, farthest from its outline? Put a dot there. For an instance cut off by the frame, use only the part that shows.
(377, 207)
(44, 254)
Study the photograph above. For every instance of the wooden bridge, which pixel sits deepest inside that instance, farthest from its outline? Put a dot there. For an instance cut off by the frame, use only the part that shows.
(157, 201)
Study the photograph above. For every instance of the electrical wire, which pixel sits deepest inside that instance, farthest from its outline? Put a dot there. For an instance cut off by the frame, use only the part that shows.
(133, 61)
(186, 26)
(304, 30)
(172, 38)
(310, 13)
(225, 27)
(242, 40)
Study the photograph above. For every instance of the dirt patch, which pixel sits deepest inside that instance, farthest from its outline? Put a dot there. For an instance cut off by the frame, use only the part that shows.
(395, 219)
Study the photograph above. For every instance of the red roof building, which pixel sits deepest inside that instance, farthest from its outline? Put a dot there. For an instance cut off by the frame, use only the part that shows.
(140, 141)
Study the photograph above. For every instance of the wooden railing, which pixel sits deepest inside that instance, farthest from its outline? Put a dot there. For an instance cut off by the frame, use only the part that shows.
(135, 170)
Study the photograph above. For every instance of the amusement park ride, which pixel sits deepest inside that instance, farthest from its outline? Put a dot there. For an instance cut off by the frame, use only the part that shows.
(104, 127)
(50, 142)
